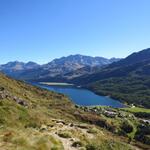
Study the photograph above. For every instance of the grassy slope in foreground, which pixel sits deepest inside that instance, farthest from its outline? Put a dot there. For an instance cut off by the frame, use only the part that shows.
(27, 121)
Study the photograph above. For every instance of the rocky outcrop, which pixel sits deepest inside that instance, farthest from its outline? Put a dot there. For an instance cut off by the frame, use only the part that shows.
(4, 94)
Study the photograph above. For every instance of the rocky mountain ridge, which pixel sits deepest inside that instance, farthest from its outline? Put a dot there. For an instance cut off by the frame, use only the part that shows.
(57, 67)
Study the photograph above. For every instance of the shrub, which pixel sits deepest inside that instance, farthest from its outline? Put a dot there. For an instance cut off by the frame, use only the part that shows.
(143, 134)
(93, 130)
(127, 127)
(64, 134)
(92, 147)
(77, 144)
(142, 115)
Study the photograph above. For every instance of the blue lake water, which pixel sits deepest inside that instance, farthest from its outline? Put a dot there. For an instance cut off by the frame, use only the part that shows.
(83, 97)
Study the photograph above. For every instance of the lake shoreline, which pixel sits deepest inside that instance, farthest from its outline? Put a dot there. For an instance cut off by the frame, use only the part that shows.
(87, 96)
(109, 96)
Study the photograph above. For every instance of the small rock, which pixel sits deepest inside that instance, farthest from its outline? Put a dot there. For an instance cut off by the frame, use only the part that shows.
(71, 124)
(43, 127)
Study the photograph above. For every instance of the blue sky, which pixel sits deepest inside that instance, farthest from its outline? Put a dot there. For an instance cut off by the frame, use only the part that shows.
(40, 30)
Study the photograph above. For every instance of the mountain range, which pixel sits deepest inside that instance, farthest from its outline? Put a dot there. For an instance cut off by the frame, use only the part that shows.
(15, 68)
(56, 68)
(136, 64)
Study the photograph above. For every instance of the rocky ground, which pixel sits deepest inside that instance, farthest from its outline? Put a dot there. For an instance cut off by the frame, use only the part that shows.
(67, 128)
(70, 134)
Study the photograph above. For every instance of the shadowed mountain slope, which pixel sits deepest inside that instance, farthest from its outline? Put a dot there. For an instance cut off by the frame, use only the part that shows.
(127, 79)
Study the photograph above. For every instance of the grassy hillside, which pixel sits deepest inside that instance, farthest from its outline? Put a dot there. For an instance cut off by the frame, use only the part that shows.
(36, 119)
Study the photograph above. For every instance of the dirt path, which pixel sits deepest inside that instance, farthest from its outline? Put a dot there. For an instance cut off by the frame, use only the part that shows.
(67, 142)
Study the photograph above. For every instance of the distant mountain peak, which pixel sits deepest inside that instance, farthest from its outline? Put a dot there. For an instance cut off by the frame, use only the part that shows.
(83, 59)
(14, 68)
(31, 62)
(57, 67)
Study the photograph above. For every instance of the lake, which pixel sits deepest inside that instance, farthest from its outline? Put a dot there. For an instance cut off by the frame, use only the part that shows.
(82, 96)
